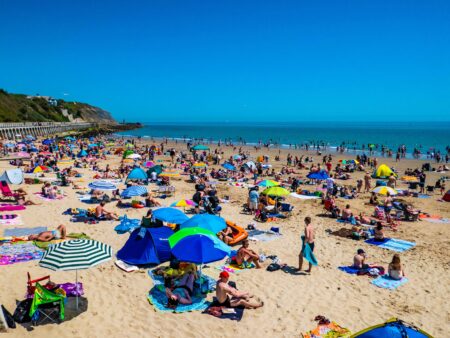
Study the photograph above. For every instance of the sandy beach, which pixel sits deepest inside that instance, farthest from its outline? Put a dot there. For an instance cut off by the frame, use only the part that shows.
(115, 303)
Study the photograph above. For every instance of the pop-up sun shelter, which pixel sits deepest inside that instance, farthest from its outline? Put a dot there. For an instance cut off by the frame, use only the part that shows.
(383, 171)
(13, 176)
(152, 248)
(137, 174)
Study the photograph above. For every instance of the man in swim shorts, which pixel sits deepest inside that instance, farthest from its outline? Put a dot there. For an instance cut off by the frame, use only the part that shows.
(227, 296)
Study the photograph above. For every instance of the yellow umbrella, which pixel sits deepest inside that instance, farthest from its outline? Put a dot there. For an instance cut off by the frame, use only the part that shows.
(276, 191)
(383, 190)
(169, 174)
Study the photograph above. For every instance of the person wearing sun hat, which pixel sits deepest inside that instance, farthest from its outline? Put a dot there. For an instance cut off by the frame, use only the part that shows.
(228, 296)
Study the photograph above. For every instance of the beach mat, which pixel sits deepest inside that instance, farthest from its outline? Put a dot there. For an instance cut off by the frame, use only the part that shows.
(348, 269)
(159, 280)
(11, 207)
(42, 197)
(19, 232)
(393, 244)
(230, 313)
(11, 221)
(157, 297)
(262, 236)
(11, 253)
(304, 197)
(436, 220)
(387, 282)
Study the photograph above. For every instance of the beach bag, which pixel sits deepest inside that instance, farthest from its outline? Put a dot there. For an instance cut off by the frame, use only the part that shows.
(22, 312)
(273, 267)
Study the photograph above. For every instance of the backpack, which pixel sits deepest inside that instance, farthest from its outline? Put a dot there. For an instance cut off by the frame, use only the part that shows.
(22, 312)
(273, 267)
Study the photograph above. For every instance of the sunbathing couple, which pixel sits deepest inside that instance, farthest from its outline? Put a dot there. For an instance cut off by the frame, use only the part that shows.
(228, 296)
(395, 269)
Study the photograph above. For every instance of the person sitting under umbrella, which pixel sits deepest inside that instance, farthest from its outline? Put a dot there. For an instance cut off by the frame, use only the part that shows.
(47, 236)
(181, 292)
(228, 296)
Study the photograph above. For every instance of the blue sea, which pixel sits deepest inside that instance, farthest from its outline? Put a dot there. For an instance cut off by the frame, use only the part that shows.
(425, 136)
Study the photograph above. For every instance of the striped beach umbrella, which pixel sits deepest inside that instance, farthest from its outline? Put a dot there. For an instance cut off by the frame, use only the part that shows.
(134, 190)
(183, 203)
(77, 254)
(267, 183)
(102, 185)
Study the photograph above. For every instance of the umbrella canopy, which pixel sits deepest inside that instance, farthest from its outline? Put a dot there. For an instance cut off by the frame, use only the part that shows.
(129, 146)
(134, 156)
(127, 153)
(75, 254)
(237, 157)
(40, 168)
(200, 147)
(157, 169)
(149, 164)
(169, 173)
(276, 191)
(9, 145)
(321, 175)
(170, 215)
(199, 165)
(135, 190)
(383, 190)
(47, 142)
(267, 183)
(383, 171)
(205, 221)
(183, 203)
(199, 247)
(229, 166)
(102, 185)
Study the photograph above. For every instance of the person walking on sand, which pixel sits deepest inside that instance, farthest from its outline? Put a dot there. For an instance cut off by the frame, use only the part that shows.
(309, 238)
(367, 184)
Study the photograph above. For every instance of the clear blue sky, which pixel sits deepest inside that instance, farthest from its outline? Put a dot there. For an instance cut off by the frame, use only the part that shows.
(231, 60)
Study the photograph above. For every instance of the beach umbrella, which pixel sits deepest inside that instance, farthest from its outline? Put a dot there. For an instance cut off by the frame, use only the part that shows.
(169, 173)
(229, 166)
(237, 157)
(267, 183)
(127, 153)
(157, 169)
(321, 175)
(212, 223)
(200, 147)
(149, 164)
(102, 185)
(134, 156)
(197, 245)
(47, 142)
(170, 215)
(134, 190)
(45, 153)
(40, 168)
(276, 191)
(77, 254)
(383, 190)
(199, 165)
(183, 203)
(393, 328)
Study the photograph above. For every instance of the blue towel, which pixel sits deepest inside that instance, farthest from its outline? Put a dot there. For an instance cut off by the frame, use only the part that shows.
(159, 280)
(393, 244)
(157, 297)
(348, 269)
(18, 232)
(308, 254)
(387, 282)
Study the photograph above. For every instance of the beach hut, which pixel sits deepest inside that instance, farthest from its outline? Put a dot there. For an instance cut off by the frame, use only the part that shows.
(137, 174)
(383, 171)
(447, 196)
(393, 328)
(147, 246)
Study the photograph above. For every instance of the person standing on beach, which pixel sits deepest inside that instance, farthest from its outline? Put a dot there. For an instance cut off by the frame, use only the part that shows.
(367, 179)
(309, 238)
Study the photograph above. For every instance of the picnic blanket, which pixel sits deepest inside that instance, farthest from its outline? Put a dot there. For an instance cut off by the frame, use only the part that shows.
(159, 280)
(262, 236)
(387, 282)
(157, 297)
(11, 253)
(11, 207)
(349, 269)
(19, 232)
(304, 197)
(393, 244)
(42, 197)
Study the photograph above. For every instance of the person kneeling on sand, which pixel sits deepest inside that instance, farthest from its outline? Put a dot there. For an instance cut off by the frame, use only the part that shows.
(47, 236)
(229, 296)
(246, 255)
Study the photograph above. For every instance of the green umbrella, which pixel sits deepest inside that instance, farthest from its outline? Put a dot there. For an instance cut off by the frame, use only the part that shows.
(179, 235)
(276, 191)
(127, 153)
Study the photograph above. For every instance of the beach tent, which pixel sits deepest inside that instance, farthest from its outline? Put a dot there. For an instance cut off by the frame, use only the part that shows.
(200, 147)
(393, 328)
(82, 153)
(229, 166)
(157, 169)
(250, 165)
(383, 171)
(321, 175)
(137, 174)
(13, 176)
(447, 196)
(149, 246)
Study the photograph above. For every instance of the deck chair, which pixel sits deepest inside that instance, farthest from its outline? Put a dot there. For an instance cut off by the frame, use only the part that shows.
(31, 284)
(46, 306)
(6, 191)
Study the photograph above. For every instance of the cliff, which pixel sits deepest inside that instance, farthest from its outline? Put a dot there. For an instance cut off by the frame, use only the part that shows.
(23, 108)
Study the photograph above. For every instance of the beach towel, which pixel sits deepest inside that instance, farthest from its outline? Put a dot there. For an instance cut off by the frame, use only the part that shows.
(157, 297)
(349, 269)
(227, 313)
(11, 253)
(10, 207)
(127, 225)
(387, 282)
(393, 244)
(72, 235)
(436, 220)
(330, 330)
(309, 255)
(304, 197)
(19, 232)
(11, 221)
(42, 197)
(262, 236)
(423, 196)
(159, 280)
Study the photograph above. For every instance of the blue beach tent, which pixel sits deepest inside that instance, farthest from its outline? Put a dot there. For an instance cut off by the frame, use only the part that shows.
(393, 328)
(321, 175)
(151, 248)
(82, 153)
(137, 174)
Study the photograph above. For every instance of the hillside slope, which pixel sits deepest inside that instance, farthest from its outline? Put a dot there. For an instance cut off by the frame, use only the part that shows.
(19, 108)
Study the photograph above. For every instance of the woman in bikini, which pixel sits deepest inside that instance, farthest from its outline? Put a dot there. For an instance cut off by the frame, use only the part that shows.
(47, 236)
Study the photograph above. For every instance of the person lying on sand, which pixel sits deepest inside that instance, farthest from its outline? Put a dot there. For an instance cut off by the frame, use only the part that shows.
(228, 296)
(47, 236)
(246, 255)
(226, 235)
(180, 293)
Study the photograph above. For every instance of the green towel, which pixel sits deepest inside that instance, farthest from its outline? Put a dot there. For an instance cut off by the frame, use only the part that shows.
(76, 235)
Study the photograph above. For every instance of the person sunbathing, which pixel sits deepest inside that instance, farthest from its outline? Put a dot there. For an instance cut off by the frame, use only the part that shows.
(346, 213)
(47, 236)
(395, 268)
(150, 201)
(379, 234)
(226, 235)
(180, 293)
(228, 296)
(247, 256)
(102, 214)
(21, 199)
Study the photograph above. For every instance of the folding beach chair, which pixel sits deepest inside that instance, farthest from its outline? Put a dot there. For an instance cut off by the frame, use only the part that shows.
(47, 306)
(6, 191)
(286, 208)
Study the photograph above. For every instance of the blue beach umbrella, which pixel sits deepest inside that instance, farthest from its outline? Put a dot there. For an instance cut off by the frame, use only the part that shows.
(92, 145)
(170, 215)
(209, 222)
(199, 248)
(229, 166)
(135, 190)
(47, 142)
(321, 175)
(102, 185)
